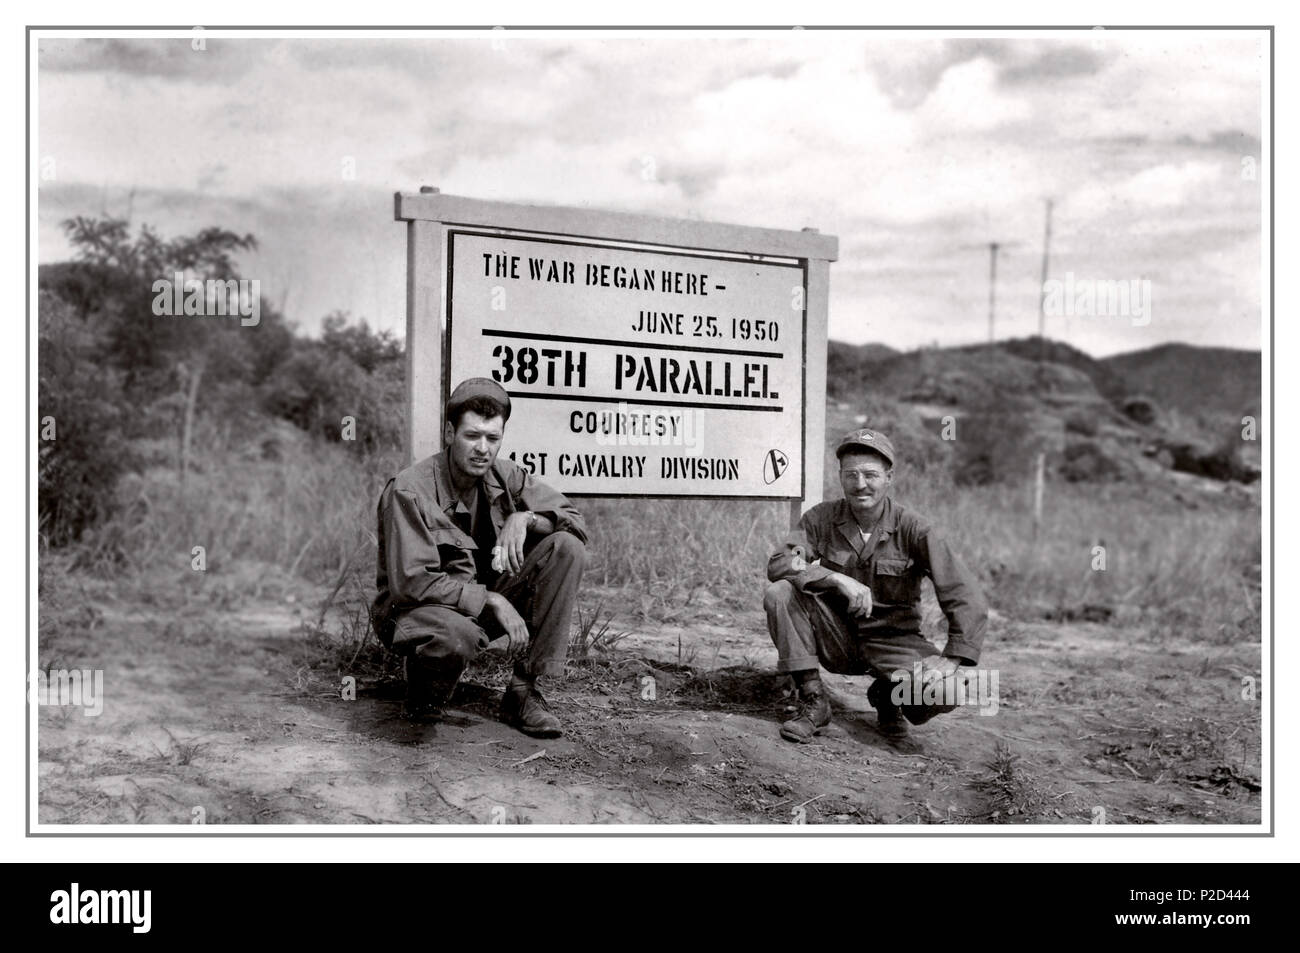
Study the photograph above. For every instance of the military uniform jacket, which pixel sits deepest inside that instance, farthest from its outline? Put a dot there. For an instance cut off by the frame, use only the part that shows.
(902, 551)
(424, 558)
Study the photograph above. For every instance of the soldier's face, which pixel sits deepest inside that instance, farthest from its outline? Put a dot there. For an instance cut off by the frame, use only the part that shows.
(865, 479)
(474, 444)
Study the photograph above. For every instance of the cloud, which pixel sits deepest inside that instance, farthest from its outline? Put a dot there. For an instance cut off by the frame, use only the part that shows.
(1051, 63)
(915, 150)
(197, 58)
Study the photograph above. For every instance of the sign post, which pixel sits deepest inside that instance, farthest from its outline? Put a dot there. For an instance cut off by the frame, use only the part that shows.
(644, 356)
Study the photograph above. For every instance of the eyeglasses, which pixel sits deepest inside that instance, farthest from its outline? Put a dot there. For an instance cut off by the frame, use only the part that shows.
(862, 473)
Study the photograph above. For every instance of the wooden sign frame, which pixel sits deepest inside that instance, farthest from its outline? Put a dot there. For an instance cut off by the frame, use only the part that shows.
(429, 215)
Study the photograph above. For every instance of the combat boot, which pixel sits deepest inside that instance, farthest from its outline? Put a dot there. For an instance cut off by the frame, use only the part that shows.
(889, 717)
(813, 715)
(523, 707)
(427, 691)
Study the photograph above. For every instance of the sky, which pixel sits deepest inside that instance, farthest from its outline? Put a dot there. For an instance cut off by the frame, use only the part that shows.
(917, 150)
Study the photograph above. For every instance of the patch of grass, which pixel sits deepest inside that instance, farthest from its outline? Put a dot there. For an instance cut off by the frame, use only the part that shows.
(309, 509)
(68, 616)
(593, 634)
(1187, 571)
(1190, 570)
(687, 658)
(179, 752)
(663, 551)
(340, 642)
(1209, 754)
(1012, 790)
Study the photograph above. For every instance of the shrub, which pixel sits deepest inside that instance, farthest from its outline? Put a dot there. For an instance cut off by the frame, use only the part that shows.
(78, 400)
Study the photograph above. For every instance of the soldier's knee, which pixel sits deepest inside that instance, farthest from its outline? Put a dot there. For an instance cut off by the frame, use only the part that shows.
(777, 595)
(462, 628)
(437, 632)
(567, 547)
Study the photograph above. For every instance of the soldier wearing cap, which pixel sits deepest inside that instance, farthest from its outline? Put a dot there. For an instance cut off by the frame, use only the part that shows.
(472, 549)
(845, 595)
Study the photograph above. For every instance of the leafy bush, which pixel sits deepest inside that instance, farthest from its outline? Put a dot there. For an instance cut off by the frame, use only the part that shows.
(128, 389)
(319, 386)
(82, 423)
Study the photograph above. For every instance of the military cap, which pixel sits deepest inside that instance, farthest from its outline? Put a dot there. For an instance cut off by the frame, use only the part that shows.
(473, 387)
(870, 440)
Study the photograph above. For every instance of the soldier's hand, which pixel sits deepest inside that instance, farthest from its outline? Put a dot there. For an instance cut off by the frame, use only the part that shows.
(859, 596)
(938, 667)
(510, 620)
(511, 540)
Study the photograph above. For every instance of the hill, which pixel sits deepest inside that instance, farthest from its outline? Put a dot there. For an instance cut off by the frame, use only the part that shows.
(988, 411)
(1193, 379)
(1110, 383)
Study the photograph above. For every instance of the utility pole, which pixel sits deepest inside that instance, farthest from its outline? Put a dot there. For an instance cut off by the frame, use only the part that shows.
(1042, 291)
(995, 249)
(993, 283)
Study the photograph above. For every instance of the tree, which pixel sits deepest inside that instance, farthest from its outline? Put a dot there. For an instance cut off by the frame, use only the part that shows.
(148, 346)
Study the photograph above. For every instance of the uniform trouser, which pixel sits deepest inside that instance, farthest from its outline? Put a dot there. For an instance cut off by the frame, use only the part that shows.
(439, 641)
(809, 630)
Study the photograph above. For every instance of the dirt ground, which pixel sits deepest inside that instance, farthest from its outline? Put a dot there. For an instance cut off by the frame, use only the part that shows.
(220, 708)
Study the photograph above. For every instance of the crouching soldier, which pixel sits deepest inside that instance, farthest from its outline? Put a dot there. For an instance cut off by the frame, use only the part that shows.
(845, 595)
(472, 549)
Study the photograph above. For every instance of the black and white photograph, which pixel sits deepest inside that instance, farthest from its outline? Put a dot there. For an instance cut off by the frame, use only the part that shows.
(679, 429)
